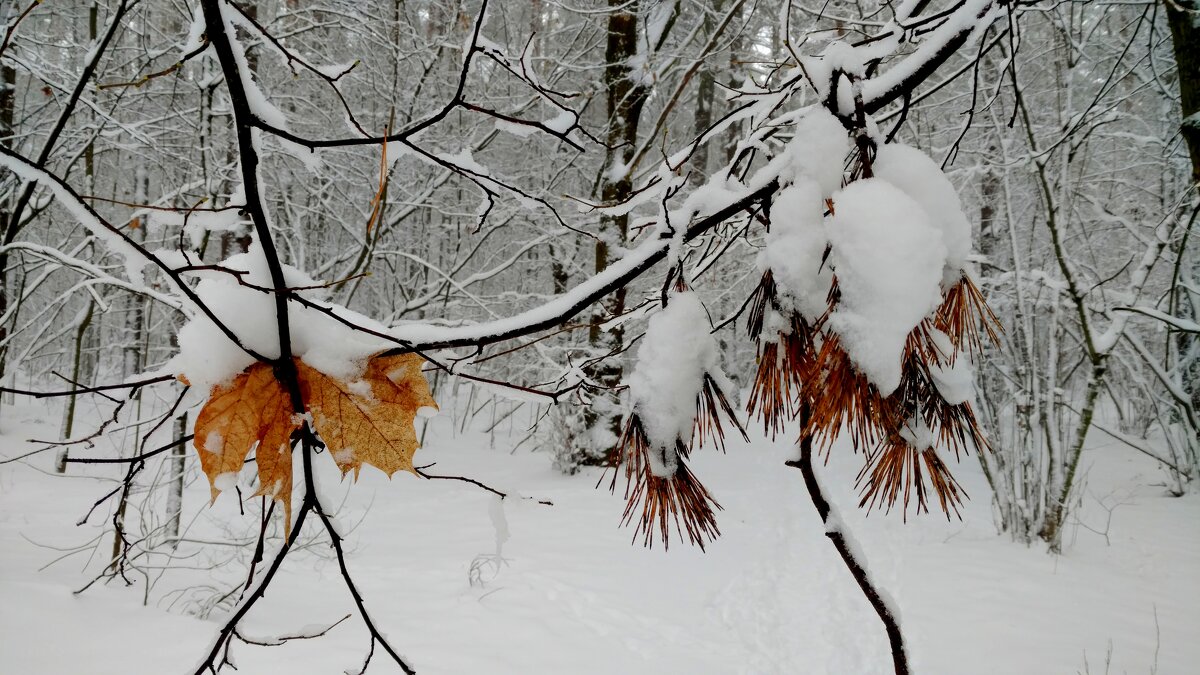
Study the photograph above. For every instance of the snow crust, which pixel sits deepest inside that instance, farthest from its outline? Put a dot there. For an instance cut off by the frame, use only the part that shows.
(917, 433)
(259, 104)
(561, 123)
(499, 523)
(514, 129)
(195, 35)
(225, 482)
(888, 260)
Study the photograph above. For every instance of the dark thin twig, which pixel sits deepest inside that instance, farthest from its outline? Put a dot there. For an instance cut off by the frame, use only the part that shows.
(275, 642)
(838, 539)
(479, 484)
(88, 390)
(127, 460)
(12, 28)
(210, 662)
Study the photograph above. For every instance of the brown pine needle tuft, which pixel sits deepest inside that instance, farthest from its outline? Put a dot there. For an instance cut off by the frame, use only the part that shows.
(777, 384)
(896, 471)
(810, 364)
(709, 404)
(783, 363)
(654, 504)
(965, 317)
(841, 397)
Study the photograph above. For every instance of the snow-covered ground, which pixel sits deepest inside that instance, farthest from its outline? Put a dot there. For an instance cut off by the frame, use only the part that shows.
(573, 596)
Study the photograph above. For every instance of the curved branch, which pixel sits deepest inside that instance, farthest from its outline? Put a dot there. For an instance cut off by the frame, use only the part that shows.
(571, 303)
(841, 542)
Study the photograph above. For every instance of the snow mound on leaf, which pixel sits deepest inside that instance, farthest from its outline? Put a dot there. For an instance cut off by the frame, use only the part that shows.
(922, 179)
(795, 247)
(676, 352)
(888, 259)
(208, 357)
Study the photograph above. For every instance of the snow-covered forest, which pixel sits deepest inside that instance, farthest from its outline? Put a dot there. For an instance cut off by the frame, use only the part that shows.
(599, 336)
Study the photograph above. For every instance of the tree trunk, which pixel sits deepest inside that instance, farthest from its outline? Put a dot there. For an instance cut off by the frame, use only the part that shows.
(76, 372)
(1184, 19)
(176, 467)
(238, 241)
(706, 94)
(624, 98)
(8, 83)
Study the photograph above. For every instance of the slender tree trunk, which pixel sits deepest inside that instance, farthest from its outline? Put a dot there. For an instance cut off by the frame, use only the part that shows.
(76, 372)
(625, 95)
(89, 168)
(706, 94)
(1056, 510)
(131, 353)
(1184, 19)
(737, 53)
(135, 315)
(8, 83)
(176, 467)
(238, 241)
(560, 253)
(993, 389)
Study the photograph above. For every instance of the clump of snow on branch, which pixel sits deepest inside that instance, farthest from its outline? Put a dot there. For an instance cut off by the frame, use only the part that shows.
(888, 259)
(895, 241)
(795, 247)
(195, 35)
(676, 353)
(811, 169)
(239, 298)
(817, 151)
(917, 433)
(922, 179)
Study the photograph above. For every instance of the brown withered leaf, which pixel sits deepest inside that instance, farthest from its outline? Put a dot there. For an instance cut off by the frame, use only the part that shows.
(254, 408)
(369, 421)
(366, 421)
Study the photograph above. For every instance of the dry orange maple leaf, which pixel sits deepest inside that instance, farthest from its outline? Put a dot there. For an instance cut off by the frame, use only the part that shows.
(369, 421)
(365, 421)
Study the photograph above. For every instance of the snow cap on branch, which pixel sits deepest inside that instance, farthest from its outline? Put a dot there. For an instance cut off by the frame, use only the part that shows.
(795, 248)
(676, 353)
(237, 295)
(817, 151)
(812, 169)
(888, 259)
(922, 179)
